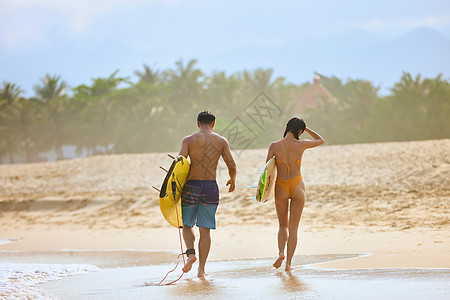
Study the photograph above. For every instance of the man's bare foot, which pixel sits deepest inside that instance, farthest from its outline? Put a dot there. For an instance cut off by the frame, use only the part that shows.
(279, 260)
(289, 268)
(191, 260)
(202, 274)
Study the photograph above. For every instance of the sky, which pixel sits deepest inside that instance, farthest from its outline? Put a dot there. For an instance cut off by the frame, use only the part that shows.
(200, 28)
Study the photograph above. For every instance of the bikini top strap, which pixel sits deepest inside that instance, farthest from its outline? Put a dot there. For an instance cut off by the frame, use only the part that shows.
(297, 161)
(285, 151)
(289, 148)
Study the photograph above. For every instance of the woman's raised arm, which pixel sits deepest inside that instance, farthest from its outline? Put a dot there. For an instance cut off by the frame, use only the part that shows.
(318, 140)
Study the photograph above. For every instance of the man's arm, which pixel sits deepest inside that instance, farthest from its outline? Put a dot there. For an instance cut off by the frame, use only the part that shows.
(184, 148)
(229, 161)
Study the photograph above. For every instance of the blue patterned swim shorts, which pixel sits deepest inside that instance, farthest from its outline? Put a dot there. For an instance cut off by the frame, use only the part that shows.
(199, 201)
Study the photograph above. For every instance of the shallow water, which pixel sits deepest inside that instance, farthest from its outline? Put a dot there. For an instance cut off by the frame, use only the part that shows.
(100, 258)
(126, 283)
(241, 279)
(8, 241)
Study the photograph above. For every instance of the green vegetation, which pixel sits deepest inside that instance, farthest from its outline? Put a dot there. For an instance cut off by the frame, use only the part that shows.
(115, 115)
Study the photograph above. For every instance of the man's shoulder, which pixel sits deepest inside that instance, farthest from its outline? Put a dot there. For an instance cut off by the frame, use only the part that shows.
(217, 138)
(222, 140)
(189, 137)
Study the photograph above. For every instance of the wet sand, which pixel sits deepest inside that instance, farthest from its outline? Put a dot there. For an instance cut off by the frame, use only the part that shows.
(256, 279)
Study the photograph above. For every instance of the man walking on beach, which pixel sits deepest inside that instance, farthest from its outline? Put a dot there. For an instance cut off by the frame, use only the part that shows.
(200, 195)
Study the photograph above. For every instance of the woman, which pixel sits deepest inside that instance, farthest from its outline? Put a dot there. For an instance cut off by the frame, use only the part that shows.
(288, 154)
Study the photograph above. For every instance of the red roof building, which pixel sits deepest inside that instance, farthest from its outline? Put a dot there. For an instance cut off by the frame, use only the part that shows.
(315, 94)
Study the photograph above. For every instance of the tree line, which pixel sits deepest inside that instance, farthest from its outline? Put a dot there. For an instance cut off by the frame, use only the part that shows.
(116, 115)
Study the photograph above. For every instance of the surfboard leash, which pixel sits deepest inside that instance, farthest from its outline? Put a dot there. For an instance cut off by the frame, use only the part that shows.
(174, 192)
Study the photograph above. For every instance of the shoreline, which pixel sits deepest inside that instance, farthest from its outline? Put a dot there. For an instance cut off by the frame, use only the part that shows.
(412, 248)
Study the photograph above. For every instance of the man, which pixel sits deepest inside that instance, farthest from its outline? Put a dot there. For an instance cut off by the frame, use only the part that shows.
(200, 195)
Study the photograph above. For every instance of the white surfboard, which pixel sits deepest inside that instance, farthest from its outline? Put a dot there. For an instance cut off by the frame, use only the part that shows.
(266, 183)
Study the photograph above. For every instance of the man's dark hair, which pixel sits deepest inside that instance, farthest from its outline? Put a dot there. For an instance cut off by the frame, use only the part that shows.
(206, 117)
(295, 125)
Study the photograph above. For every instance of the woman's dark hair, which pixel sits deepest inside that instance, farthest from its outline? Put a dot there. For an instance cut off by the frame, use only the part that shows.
(206, 117)
(295, 125)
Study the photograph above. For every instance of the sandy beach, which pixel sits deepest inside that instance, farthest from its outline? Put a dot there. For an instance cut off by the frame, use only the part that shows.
(386, 205)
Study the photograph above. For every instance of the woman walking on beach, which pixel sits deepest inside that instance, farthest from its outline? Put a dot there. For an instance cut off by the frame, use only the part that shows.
(288, 154)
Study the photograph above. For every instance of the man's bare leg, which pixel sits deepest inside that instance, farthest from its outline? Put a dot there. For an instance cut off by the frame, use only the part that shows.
(204, 244)
(189, 239)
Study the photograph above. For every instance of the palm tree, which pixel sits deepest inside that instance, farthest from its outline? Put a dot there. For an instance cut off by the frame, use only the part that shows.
(9, 93)
(407, 83)
(100, 111)
(52, 93)
(9, 97)
(222, 93)
(258, 80)
(25, 112)
(185, 86)
(437, 106)
(17, 120)
(359, 102)
(149, 75)
(407, 100)
(186, 81)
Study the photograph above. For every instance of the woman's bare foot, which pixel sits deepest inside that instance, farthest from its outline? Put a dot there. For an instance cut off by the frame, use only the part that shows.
(191, 260)
(289, 268)
(279, 260)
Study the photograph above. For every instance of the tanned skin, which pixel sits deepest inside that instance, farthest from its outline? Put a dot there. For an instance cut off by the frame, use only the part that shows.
(290, 212)
(205, 149)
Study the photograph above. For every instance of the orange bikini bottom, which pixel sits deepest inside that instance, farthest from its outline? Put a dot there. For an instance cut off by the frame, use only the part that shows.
(288, 185)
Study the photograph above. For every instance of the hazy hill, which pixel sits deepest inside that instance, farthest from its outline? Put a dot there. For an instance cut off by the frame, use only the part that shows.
(354, 54)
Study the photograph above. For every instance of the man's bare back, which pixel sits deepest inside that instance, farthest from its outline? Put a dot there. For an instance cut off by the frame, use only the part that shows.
(205, 148)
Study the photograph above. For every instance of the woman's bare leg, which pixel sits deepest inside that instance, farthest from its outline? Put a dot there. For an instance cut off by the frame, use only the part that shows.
(298, 198)
(282, 207)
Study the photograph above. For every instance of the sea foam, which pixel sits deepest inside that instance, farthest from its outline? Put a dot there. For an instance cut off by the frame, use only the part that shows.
(18, 281)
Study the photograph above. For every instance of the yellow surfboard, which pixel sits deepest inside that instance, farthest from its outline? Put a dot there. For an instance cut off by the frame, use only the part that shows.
(175, 179)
